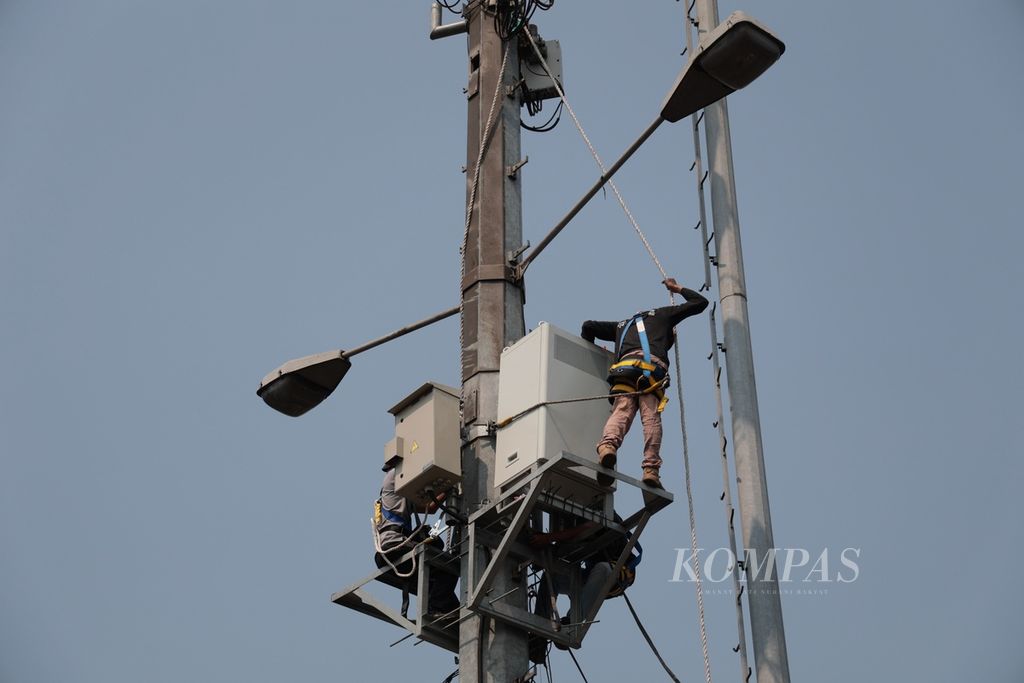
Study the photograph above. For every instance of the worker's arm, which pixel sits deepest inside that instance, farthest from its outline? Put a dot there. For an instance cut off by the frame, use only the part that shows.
(599, 329)
(695, 303)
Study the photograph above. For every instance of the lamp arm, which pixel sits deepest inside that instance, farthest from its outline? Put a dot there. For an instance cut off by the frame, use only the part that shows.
(402, 331)
(605, 177)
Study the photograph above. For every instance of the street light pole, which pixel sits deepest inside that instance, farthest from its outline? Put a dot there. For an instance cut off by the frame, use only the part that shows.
(492, 318)
(767, 633)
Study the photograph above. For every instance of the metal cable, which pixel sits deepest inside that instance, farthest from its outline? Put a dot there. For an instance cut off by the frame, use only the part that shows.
(578, 667)
(679, 378)
(716, 368)
(647, 637)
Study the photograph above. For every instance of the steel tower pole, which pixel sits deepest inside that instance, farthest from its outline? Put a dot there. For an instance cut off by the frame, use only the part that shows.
(767, 632)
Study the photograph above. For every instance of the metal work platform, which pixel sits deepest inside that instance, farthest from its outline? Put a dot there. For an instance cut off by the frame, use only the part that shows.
(563, 487)
(441, 631)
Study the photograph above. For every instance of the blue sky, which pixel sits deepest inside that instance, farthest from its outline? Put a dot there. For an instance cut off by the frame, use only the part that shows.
(192, 193)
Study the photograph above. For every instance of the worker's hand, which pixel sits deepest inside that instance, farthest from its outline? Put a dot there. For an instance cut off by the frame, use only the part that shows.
(671, 285)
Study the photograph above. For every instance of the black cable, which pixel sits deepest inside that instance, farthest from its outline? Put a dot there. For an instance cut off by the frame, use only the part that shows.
(576, 662)
(556, 116)
(452, 676)
(650, 642)
(511, 16)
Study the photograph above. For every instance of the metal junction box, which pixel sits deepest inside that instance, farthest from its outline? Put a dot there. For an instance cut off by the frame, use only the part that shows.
(427, 441)
(537, 85)
(546, 365)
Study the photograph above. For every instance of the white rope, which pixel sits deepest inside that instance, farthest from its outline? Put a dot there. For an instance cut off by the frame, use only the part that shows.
(396, 546)
(679, 378)
(695, 551)
(597, 158)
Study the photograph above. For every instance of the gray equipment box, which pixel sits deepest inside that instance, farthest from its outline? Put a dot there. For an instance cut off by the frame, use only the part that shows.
(538, 85)
(427, 441)
(549, 364)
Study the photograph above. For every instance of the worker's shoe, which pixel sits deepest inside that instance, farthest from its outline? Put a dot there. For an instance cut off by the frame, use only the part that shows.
(606, 455)
(651, 477)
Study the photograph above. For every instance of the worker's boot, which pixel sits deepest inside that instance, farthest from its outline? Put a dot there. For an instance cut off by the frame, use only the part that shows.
(651, 477)
(606, 456)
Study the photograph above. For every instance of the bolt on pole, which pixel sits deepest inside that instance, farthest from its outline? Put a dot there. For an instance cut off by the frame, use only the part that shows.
(765, 605)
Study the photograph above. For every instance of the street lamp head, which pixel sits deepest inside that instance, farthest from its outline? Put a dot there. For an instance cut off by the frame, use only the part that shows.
(300, 385)
(735, 53)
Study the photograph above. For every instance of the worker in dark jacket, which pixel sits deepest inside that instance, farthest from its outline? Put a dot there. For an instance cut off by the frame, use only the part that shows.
(596, 568)
(640, 375)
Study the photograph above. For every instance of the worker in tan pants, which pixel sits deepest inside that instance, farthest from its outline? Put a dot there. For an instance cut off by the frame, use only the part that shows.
(639, 374)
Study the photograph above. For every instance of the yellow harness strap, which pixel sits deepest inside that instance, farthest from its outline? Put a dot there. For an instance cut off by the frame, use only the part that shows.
(634, 363)
(657, 389)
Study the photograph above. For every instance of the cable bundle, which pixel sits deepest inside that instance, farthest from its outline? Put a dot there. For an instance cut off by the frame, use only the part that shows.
(513, 15)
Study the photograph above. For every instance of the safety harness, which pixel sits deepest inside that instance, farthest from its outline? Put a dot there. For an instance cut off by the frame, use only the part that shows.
(633, 375)
(381, 513)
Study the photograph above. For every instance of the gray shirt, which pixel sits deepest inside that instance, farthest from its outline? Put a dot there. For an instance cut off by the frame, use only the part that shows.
(391, 533)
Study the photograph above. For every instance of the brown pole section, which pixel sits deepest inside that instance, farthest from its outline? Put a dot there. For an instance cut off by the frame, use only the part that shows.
(492, 318)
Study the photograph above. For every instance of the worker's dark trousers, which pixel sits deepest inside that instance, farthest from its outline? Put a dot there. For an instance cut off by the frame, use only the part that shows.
(593, 582)
(440, 589)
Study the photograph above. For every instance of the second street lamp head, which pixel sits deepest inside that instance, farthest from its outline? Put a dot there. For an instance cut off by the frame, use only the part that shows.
(735, 53)
(302, 384)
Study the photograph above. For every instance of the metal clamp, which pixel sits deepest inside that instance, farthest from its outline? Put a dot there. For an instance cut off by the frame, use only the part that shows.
(477, 431)
(513, 170)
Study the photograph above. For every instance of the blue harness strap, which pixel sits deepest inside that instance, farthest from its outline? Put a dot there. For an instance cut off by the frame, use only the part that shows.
(636, 556)
(395, 518)
(641, 332)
